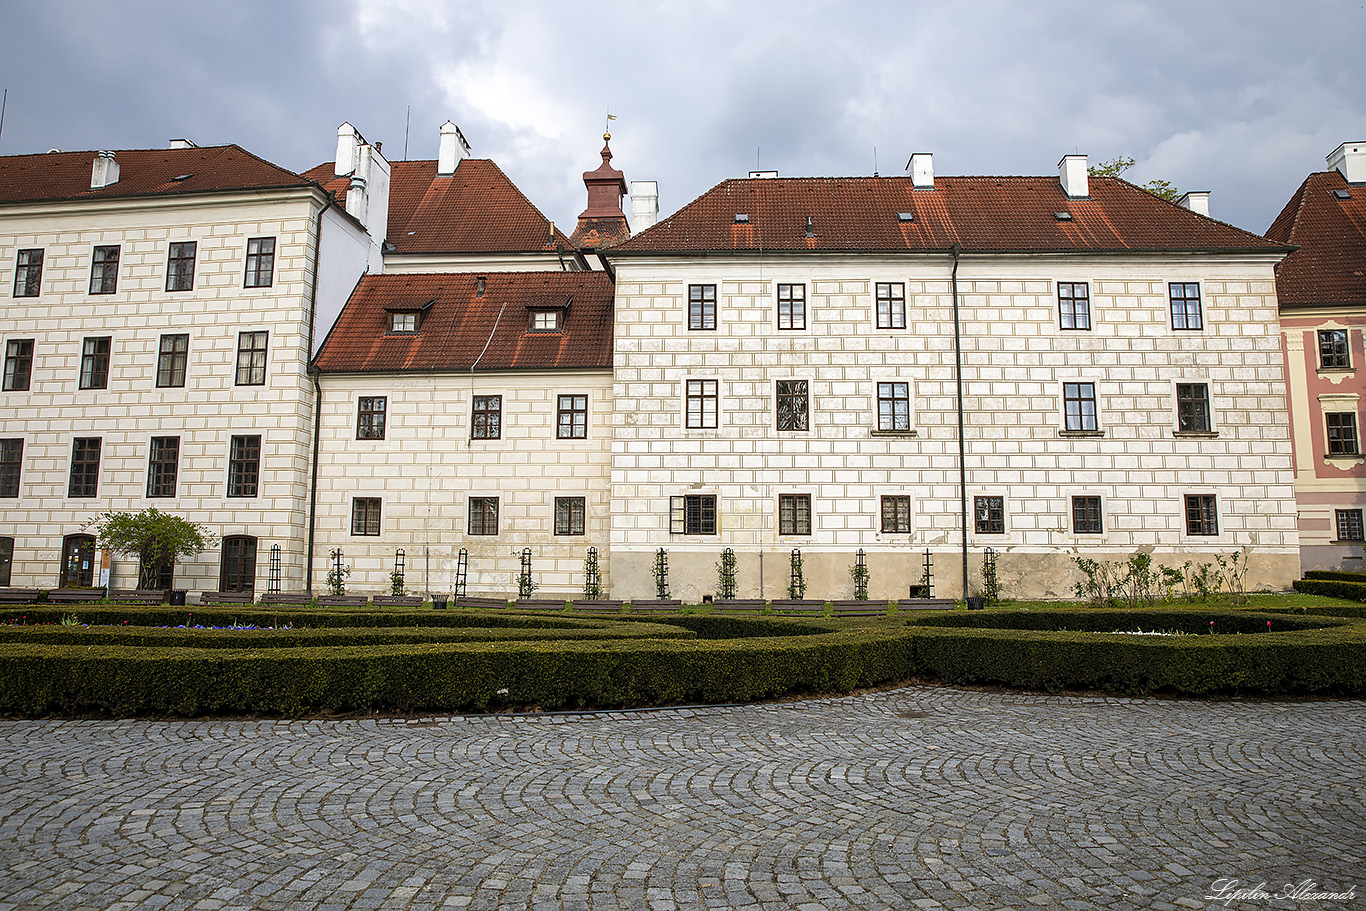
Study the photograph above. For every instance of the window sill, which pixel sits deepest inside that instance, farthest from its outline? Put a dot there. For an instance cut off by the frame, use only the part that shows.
(1196, 434)
(895, 433)
(1336, 370)
(1083, 434)
(1349, 542)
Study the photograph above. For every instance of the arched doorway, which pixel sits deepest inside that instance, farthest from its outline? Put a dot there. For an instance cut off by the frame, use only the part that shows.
(237, 569)
(78, 561)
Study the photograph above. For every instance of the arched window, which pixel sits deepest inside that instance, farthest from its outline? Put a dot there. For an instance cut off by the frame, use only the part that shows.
(237, 571)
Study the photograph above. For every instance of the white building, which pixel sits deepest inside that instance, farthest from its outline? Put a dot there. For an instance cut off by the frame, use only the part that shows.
(156, 342)
(786, 378)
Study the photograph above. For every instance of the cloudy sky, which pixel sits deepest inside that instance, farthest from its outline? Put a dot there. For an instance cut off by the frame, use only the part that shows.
(1239, 98)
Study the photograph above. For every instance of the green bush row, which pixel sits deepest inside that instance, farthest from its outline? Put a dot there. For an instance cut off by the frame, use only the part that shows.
(1333, 588)
(1335, 574)
(1190, 621)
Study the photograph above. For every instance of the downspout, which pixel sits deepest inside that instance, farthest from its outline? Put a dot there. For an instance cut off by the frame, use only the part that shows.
(957, 249)
(317, 392)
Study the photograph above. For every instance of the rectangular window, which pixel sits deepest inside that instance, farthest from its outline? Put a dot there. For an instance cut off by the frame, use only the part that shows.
(1186, 305)
(694, 514)
(702, 398)
(891, 305)
(896, 515)
(171, 360)
(404, 321)
(1074, 305)
(11, 461)
(792, 405)
(244, 466)
(370, 417)
(18, 364)
(163, 463)
(180, 267)
(1086, 517)
(104, 270)
(991, 515)
(794, 514)
(1333, 351)
(894, 406)
(573, 417)
(1192, 408)
(85, 467)
(569, 515)
(545, 321)
(1342, 433)
(487, 420)
(365, 515)
(1202, 518)
(251, 358)
(95, 363)
(1349, 525)
(792, 306)
(1079, 406)
(28, 273)
(260, 262)
(701, 306)
(483, 515)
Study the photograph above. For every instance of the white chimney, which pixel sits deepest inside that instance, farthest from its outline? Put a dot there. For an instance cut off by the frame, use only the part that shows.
(453, 148)
(1350, 159)
(348, 142)
(644, 204)
(921, 170)
(1197, 201)
(183, 144)
(1073, 176)
(105, 171)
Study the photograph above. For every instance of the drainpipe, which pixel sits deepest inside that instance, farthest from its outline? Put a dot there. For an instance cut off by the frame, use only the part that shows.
(957, 249)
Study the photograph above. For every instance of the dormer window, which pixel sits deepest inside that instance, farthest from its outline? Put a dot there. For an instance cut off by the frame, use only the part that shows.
(546, 320)
(403, 321)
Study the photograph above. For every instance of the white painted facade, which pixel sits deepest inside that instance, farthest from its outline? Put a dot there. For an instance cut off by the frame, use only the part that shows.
(209, 409)
(427, 467)
(1016, 359)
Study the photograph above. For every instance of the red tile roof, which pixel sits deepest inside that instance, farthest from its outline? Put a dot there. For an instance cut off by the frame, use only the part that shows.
(983, 214)
(1330, 265)
(475, 210)
(461, 330)
(142, 172)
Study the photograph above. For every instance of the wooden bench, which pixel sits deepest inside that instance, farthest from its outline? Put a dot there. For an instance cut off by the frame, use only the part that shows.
(482, 603)
(538, 604)
(286, 599)
(906, 605)
(396, 601)
(18, 595)
(75, 595)
(738, 605)
(138, 596)
(858, 608)
(656, 606)
(804, 608)
(343, 600)
(230, 599)
(596, 607)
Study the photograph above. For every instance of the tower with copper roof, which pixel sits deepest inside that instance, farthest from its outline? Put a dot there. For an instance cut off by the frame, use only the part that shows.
(603, 224)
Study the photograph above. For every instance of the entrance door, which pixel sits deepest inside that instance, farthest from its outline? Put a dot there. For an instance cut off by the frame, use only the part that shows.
(78, 561)
(237, 572)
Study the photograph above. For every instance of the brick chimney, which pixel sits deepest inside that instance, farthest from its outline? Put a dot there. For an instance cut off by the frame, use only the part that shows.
(1350, 159)
(105, 171)
(602, 224)
(1074, 177)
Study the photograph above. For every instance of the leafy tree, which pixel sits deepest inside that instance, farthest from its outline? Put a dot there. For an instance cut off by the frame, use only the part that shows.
(156, 538)
(1116, 167)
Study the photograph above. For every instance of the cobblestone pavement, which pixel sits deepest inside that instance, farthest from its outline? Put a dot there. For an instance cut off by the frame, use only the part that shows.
(915, 798)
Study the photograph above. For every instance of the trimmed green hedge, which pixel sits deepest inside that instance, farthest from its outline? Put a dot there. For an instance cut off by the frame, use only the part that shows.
(1333, 588)
(486, 664)
(1335, 574)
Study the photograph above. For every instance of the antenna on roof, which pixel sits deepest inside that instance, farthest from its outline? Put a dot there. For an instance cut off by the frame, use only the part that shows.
(407, 119)
(874, 161)
(3, 102)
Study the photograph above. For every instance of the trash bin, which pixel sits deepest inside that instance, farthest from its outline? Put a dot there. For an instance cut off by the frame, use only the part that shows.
(438, 602)
(178, 597)
(976, 603)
